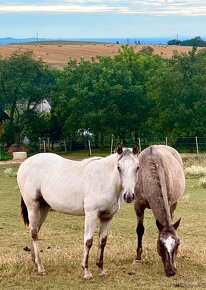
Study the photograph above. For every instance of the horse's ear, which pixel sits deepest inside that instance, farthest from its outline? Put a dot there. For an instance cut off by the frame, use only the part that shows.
(119, 148)
(176, 225)
(135, 149)
(159, 225)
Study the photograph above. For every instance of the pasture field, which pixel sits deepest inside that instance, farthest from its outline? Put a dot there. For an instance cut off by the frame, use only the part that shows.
(58, 54)
(61, 242)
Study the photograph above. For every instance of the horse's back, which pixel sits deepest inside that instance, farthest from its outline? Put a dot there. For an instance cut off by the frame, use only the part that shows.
(34, 170)
(34, 165)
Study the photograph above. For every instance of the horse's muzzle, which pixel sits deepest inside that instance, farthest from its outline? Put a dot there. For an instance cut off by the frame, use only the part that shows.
(170, 272)
(128, 197)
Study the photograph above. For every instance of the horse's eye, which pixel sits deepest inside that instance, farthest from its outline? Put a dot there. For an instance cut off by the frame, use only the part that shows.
(119, 169)
(137, 168)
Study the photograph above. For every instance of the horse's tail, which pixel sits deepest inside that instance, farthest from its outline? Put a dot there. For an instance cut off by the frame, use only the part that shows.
(24, 212)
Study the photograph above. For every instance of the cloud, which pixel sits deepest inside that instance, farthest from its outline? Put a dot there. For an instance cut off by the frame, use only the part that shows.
(151, 7)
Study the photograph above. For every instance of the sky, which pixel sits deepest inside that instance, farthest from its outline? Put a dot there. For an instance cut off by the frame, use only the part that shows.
(59, 19)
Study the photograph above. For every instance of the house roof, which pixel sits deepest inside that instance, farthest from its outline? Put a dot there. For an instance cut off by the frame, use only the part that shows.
(3, 115)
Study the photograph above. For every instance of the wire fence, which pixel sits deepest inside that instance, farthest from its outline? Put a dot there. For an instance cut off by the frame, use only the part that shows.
(106, 145)
(182, 144)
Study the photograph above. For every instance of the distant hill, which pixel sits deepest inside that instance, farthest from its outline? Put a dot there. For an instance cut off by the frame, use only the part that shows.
(10, 40)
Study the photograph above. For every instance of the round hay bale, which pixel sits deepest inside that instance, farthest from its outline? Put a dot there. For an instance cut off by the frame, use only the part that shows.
(19, 155)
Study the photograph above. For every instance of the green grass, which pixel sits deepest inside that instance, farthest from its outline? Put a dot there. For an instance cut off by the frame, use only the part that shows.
(61, 241)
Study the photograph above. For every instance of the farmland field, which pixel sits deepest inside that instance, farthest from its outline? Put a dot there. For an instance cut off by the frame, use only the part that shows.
(61, 241)
(59, 54)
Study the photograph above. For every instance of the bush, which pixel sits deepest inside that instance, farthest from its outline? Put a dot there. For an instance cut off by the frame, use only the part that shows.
(195, 170)
(16, 148)
(202, 182)
(3, 154)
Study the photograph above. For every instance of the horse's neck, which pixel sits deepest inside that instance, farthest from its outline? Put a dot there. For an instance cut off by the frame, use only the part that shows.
(111, 175)
(155, 191)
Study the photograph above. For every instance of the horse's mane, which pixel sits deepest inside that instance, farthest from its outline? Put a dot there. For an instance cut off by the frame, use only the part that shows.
(153, 170)
(126, 152)
(87, 161)
(108, 159)
(157, 168)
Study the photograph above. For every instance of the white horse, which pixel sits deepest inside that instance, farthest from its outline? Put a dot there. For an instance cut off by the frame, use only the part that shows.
(92, 187)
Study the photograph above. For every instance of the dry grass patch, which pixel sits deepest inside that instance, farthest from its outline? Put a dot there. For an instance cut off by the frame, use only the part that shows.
(59, 55)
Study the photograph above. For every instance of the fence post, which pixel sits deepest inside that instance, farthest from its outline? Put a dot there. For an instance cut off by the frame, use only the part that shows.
(65, 146)
(166, 141)
(90, 151)
(48, 141)
(197, 148)
(139, 143)
(111, 148)
(44, 143)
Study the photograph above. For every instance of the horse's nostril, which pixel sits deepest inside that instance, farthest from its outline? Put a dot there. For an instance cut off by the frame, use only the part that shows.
(170, 273)
(128, 197)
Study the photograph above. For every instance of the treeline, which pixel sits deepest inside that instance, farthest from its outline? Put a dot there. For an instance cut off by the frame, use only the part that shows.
(195, 42)
(128, 96)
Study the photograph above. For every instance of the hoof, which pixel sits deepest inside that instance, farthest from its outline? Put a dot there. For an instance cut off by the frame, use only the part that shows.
(103, 273)
(137, 262)
(88, 276)
(42, 273)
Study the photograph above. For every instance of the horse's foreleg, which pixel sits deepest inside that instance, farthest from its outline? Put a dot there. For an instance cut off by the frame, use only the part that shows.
(140, 233)
(90, 224)
(172, 209)
(104, 227)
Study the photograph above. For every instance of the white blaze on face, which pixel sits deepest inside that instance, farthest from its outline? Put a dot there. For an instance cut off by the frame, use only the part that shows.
(169, 243)
(128, 173)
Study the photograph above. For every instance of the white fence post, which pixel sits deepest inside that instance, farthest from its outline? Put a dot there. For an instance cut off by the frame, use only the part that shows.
(44, 144)
(139, 143)
(90, 150)
(197, 147)
(111, 147)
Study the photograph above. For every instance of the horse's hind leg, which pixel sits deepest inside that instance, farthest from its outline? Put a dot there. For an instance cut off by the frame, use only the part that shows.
(104, 227)
(37, 214)
(140, 233)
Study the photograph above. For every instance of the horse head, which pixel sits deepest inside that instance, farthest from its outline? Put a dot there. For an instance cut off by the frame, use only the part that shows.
(128, 166)
(167, 246)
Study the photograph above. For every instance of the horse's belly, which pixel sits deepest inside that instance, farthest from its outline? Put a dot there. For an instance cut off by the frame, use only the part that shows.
(65, 202)
(68, 209)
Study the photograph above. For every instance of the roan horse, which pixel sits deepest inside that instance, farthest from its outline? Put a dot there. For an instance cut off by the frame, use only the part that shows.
(160, 183)
(91, 187)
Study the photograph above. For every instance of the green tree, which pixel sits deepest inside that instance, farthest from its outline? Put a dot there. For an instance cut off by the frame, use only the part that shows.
(178, 93)
(24, 84)
(107, 95)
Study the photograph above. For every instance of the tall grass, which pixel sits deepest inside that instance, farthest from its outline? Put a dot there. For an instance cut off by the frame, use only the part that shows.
(61, 241)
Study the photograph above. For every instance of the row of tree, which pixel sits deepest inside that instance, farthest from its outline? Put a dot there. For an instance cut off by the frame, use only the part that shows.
(196, 42)
(129, 95)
